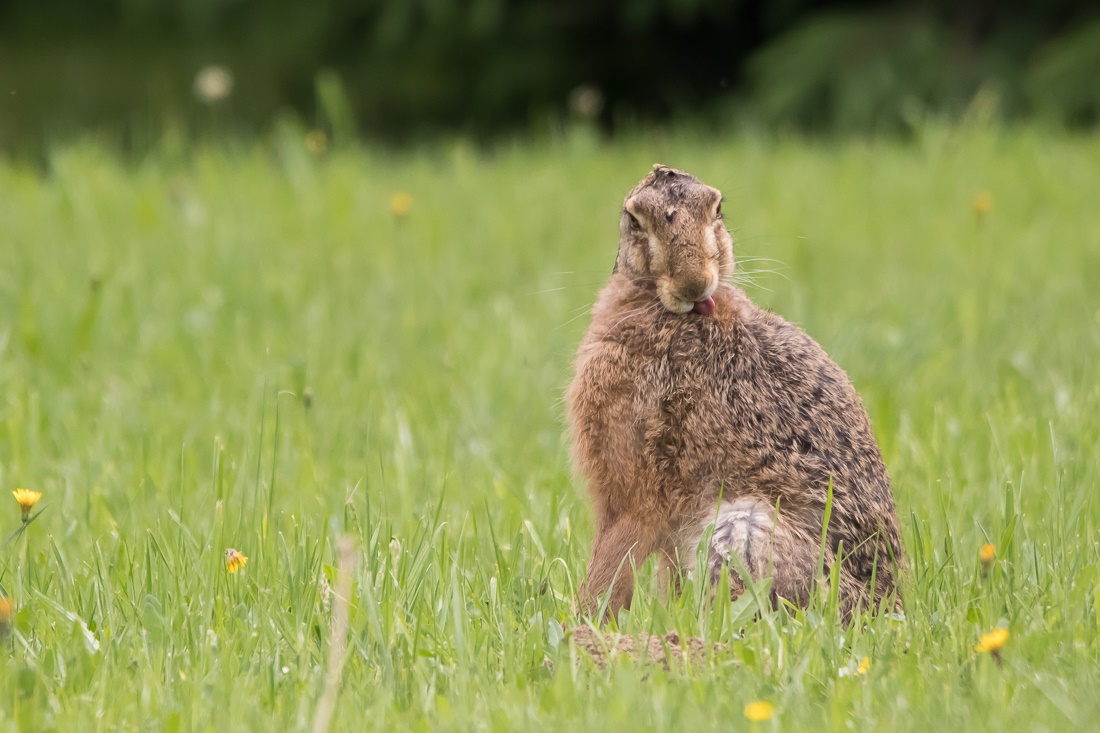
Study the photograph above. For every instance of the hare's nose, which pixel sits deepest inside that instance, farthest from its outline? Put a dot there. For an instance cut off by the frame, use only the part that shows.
(694, 288)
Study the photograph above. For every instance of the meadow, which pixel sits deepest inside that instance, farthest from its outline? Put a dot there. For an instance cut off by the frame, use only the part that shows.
(257, 347)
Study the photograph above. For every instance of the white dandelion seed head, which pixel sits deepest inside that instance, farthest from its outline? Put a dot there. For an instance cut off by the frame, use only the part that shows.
(213, 83)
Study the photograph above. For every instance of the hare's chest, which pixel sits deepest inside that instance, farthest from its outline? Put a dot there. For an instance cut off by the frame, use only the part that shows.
(644, 410)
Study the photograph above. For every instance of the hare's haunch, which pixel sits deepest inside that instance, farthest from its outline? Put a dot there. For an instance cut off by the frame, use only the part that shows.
(692, 407)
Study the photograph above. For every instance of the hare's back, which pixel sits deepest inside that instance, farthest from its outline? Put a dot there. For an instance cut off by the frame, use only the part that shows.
(795, 401)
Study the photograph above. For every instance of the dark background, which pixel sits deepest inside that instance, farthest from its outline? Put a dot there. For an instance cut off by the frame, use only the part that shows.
(402, 70)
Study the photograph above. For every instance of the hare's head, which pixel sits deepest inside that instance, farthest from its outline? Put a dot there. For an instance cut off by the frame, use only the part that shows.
(672, 234)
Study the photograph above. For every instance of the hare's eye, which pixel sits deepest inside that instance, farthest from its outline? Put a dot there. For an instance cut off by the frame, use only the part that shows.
(635, 225)
(718, 211)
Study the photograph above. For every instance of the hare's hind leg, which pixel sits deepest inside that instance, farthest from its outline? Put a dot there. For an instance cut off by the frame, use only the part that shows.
(752, 535)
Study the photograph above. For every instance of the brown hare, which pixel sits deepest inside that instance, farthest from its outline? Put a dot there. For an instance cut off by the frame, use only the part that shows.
(691, 407)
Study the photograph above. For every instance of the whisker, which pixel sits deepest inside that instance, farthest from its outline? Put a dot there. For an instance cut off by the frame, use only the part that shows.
(753, 271)
(601, 272)
(636, 312)
(564, 287)
(749, 279)
(761, 259)
(756, 286)
(777, 273)
(574, 318)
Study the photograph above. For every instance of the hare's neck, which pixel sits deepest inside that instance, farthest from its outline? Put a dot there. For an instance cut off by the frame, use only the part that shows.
(626, 291)
(630, 304)
(624, 298)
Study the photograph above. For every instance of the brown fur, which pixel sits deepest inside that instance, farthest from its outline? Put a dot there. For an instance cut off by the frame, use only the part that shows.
(739, 419)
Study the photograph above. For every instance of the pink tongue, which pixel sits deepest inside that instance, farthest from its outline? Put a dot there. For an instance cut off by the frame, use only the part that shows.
(704, 307)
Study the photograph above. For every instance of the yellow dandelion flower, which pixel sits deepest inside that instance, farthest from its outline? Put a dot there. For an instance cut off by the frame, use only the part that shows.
(316, 142)
(760, 710)
(234, 560)
(401, 204)
(6, 609)
(864, 666)
(987, 554)
(983, 203)
(992, 642)
(27, 499)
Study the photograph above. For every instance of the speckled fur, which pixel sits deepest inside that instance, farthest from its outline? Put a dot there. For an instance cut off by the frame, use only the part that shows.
(678, 418)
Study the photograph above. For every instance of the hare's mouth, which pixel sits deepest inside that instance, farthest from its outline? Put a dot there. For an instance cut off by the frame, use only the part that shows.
(704, 307)
(698, 302)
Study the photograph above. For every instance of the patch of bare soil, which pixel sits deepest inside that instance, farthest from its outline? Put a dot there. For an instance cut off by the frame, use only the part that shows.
(667, 651)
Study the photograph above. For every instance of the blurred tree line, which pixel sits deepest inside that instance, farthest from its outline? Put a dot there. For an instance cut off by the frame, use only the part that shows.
(401, 68)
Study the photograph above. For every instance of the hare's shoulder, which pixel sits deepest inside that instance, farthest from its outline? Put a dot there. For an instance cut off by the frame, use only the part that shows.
(789, 383)
(781, 356)
(809, 401)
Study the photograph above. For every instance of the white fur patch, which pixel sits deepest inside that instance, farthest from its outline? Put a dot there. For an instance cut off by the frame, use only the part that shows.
(743, 527)
(656, 255)
(712, 242)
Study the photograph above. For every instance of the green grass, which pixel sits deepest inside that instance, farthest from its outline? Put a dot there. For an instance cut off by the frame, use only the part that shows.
(162, 321)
